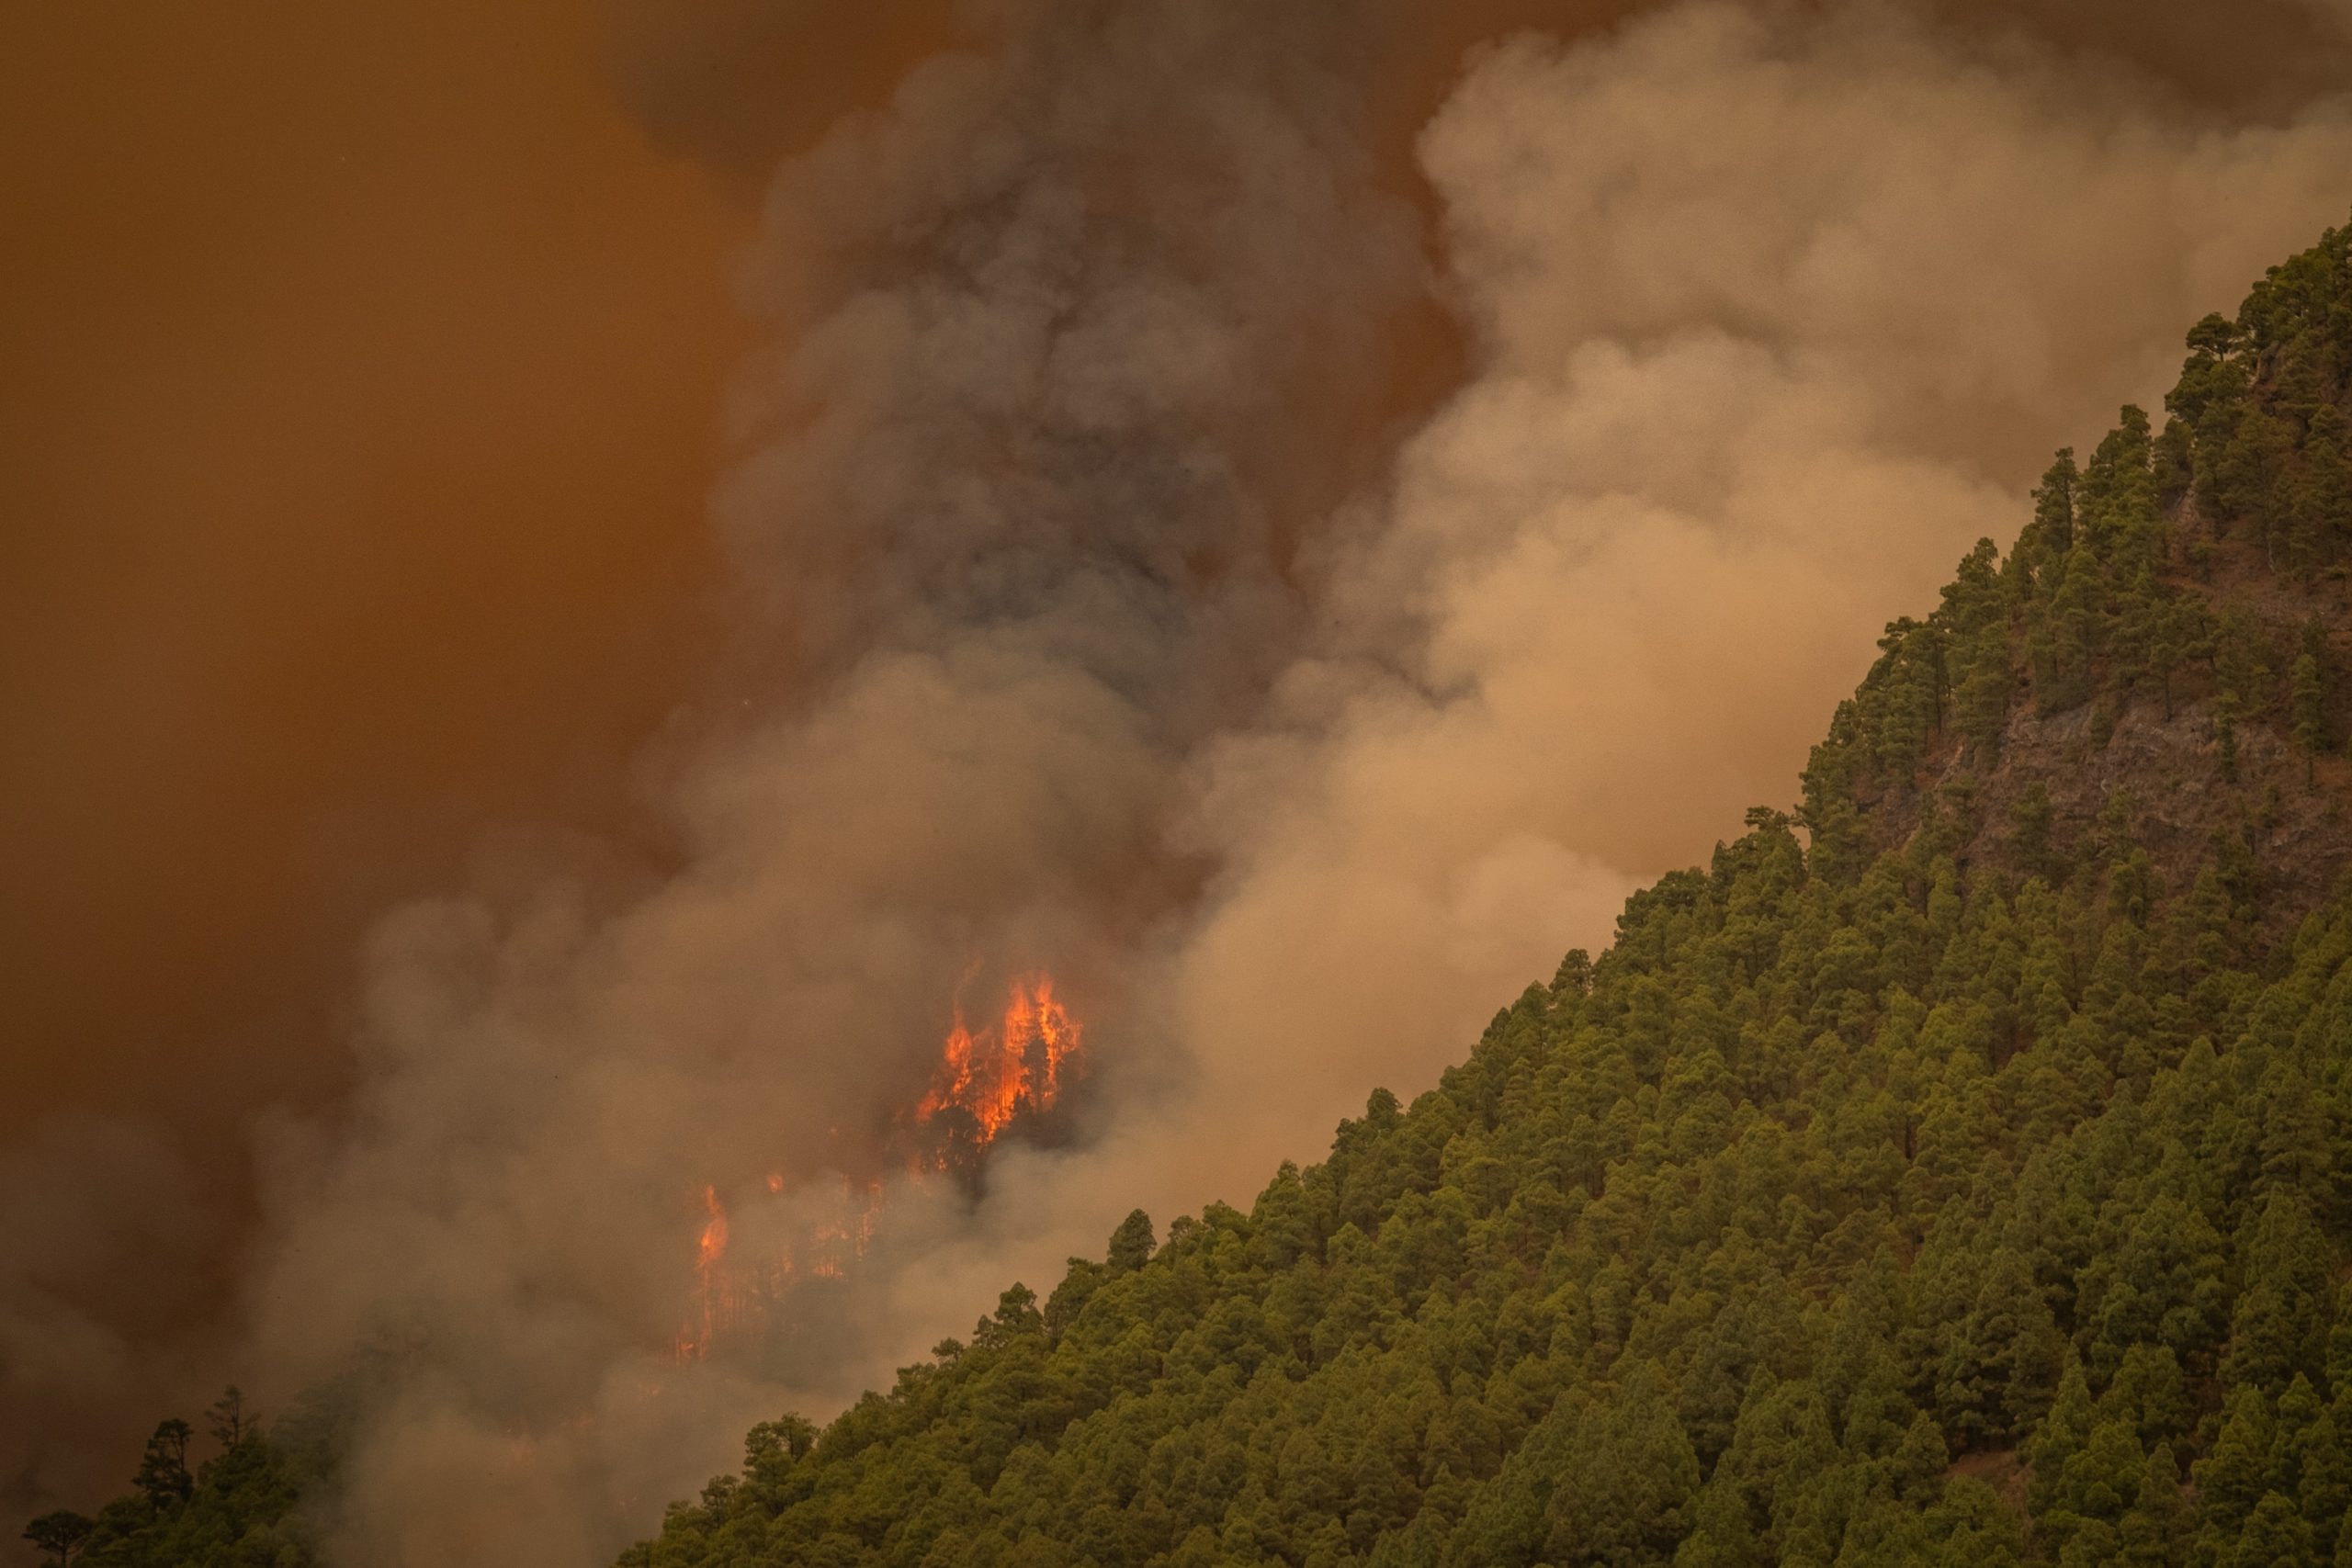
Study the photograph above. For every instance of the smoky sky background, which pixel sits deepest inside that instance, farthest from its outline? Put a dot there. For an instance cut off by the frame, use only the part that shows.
(566, 571)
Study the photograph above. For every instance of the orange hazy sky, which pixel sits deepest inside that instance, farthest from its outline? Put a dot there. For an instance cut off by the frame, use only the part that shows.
(363, 370)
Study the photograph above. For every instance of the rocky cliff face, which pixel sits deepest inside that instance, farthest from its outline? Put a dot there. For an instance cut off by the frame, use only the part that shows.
(2163, 659)
(2185, 774)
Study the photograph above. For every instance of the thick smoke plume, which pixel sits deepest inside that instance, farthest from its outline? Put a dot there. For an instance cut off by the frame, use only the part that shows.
(1776, 315)
(1092, 624)
(1076, 340)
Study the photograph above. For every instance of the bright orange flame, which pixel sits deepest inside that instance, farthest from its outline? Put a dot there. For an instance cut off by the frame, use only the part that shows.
(734, 1297)
(712, 1248)
(1016, 1065)
(716, 1301)
(996, 1074)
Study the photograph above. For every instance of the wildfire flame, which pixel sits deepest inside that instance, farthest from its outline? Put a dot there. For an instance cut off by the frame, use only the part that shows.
(712, 1248)
(715, 1303)
(1001, 1071)
(733, 1296)
(1013, 1066)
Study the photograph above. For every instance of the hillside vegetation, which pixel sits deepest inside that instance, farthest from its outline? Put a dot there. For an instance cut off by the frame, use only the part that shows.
(1955, 1170)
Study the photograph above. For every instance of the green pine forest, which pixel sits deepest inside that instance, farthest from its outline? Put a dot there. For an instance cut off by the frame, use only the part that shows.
(1956, 1170)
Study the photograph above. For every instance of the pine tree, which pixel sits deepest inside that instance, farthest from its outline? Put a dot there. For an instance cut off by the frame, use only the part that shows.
(163, 1477)
(227, 1420)
(2053, 529)
(61, 1534)
(2148, 1391)
(2324, 1467)
(2063, 1433)
(2274, 1535)
(2155, 1532)
(2233, 1477)
(2309, 703)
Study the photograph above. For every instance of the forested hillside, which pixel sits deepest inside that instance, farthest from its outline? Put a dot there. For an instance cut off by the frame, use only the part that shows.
(1953, 1172)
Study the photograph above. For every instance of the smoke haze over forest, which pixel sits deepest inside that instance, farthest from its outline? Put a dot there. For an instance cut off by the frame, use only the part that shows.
(1279, 515)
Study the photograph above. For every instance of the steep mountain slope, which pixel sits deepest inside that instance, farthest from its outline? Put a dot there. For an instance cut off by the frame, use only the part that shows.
(1964, 1181)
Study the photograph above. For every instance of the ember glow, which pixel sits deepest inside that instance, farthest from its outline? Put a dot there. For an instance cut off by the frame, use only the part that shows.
(714, 1301)
(712, 1249)
(984, 1082)
(736, 1296)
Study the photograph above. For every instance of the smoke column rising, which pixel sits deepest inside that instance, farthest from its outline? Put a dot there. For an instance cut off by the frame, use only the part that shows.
(1089, 622)
(1076, 340)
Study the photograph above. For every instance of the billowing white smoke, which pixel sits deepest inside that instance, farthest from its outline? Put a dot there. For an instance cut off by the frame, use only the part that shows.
(1100, 656)
(1777, 315)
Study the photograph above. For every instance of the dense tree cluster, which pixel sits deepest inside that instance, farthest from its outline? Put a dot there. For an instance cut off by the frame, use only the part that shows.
(236, 1508)
(2122, 586)
(1720, 1250)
